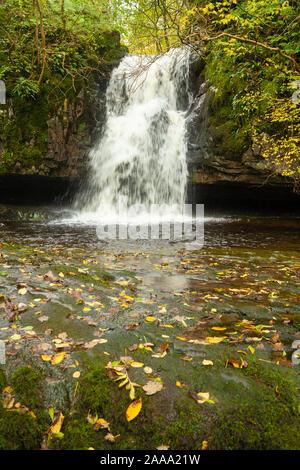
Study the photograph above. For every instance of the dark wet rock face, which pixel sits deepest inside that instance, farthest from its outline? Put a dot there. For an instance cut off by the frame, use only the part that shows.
(217, 156)
(217, 152)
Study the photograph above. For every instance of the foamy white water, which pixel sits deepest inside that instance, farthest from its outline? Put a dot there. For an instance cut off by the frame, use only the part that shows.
(141, 155)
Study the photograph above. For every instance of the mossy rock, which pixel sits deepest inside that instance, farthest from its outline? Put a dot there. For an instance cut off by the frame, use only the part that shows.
(160, 420)
(269, 419)
(26, 384)
(262, 425)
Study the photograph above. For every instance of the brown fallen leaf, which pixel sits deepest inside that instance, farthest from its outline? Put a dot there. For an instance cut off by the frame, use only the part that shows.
(94, 342)
(110, 437)
(152, 387)
(101, 424)
(49, 276)
(43, 318)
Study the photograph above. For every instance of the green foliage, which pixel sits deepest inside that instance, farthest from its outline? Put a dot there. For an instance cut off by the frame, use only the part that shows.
(49, 50)
(252, 62)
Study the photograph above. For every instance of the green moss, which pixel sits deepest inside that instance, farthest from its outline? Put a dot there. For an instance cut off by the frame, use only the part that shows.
(3, 381)
(18, 431)
(268, 419)
(78, 434)
(230, 139)
(26, 384)
(160, 421)
(263, 424)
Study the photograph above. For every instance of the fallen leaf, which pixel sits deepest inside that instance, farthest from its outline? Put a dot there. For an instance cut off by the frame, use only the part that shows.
(136, 364)
(43, 318)
(206, 362)
(134, 409)
(204, 445)
(101, 424)
(57, 358)
(109, 437)
(150, 319)
(22, 291)
(56, 426)
(152, 387)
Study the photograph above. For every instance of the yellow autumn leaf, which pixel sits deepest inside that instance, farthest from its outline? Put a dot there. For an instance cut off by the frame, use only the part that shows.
(22, 291)
(136, 364)
(180, 384)
(215, 339)
(203, 397)
(150, 319)
(58, 358)
(46, 357)
(134, 409)
(204, 445)
(206, 362)
(56, 426)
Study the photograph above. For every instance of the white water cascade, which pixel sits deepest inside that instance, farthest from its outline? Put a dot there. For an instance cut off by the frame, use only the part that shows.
(141, 155)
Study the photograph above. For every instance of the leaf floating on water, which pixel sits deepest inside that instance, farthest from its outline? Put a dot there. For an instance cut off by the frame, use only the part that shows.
(134, 409)
(22, 291)
(215, 339)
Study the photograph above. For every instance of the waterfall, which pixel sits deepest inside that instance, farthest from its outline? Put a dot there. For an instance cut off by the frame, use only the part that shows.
(140, 157)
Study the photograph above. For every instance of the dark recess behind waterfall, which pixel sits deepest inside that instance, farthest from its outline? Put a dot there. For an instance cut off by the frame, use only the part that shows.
(220, 198)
